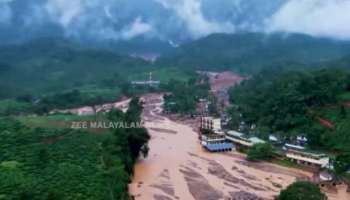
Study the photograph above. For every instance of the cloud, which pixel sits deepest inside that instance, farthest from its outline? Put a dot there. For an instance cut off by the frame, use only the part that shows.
(137, 28)
(5, 12)
(323, 18)
(174, 20)
(64, 11)
(190, 12)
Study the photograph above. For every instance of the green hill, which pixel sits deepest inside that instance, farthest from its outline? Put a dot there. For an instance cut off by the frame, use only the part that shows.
(47, 65)
(248, 52)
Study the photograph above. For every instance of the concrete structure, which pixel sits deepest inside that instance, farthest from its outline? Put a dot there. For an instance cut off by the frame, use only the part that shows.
(308, 158)
(216, 143)
(210, 123)
(241, 139)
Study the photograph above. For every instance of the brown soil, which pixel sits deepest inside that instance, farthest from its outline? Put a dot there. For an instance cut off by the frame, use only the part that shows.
(326, 123)
(220, 83)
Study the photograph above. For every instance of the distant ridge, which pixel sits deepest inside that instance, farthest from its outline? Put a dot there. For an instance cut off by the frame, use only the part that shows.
(248, 52)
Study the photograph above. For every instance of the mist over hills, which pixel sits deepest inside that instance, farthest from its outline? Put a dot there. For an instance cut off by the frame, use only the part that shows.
(170, 21)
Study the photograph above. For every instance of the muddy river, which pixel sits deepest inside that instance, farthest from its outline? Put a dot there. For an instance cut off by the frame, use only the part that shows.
(178, 168)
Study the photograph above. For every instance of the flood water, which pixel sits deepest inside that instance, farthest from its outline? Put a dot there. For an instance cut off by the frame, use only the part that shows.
(178, 168)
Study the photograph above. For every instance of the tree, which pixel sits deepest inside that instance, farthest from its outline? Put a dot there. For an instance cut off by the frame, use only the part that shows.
(43, 156)
(342, 163)
(343, 112)
(302, 191)
(260, 152)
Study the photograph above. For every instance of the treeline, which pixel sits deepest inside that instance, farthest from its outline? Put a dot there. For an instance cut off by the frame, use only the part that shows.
(292, 102)
(43, 164)
(184, 96)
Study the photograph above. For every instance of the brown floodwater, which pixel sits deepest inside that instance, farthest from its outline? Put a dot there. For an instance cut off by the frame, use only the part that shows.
(177, 167)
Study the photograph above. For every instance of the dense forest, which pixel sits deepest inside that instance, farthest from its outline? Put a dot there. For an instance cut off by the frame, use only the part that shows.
(247, 53)
(315, 103)
(48, 163)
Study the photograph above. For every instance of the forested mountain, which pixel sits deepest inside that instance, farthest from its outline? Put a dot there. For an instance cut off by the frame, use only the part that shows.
(52, 65)
(248, 52)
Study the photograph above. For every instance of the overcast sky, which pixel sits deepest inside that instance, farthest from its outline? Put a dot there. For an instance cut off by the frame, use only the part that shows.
(171, 19)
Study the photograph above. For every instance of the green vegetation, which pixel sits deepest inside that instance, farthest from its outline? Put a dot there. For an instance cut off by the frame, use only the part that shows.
(55, 120)
(47, 74)
(55, 65)
(70, 99)
(260, 152)
(302, 191)
(46, 163)
(295, 102)
(248, 53)
(184, 96)
(164, 75)
(9, 106)
(342, 163)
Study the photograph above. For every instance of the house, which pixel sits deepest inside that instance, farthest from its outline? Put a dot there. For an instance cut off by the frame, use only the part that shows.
(241, 139)
(210, 123)
(308, 158)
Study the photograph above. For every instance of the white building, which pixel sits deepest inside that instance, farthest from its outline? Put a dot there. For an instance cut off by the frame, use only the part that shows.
(210, 123)
(308, 158)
